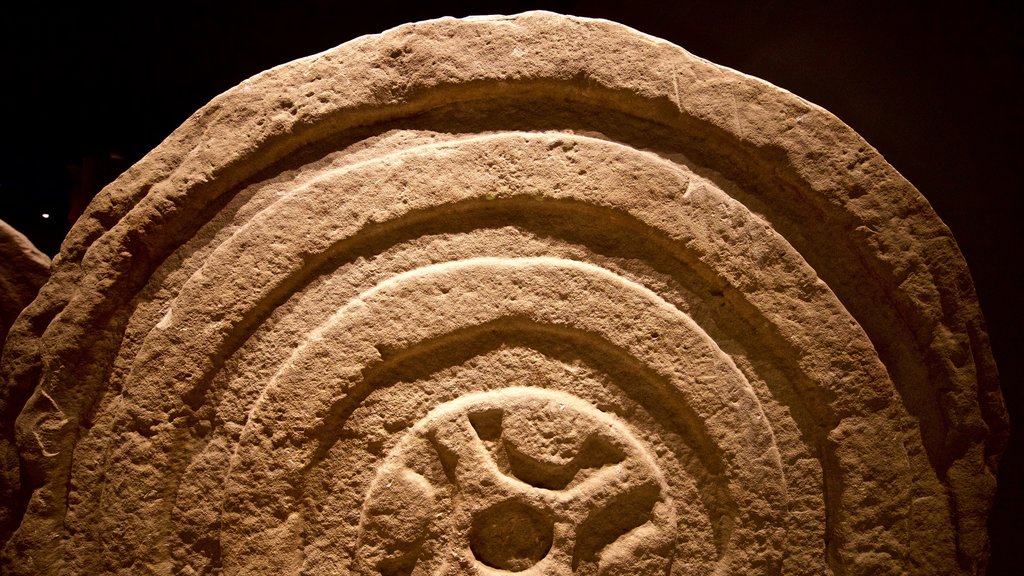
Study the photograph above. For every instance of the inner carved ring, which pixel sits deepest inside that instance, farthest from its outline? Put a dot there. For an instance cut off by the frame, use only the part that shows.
(511, 536)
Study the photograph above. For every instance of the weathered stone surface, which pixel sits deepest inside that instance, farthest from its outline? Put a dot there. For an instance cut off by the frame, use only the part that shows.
(23, 270)
(528, 293)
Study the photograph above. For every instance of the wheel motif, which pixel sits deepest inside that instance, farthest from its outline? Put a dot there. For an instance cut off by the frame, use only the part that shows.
(521, 480)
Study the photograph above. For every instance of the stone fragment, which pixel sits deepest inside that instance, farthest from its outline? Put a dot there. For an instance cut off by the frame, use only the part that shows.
(534, 293)
(23, 270)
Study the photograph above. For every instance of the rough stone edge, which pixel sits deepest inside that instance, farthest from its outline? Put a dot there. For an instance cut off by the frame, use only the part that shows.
(23, 271)
(268, 116)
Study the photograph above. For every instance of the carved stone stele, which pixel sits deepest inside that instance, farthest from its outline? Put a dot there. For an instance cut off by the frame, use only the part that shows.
(536, 294)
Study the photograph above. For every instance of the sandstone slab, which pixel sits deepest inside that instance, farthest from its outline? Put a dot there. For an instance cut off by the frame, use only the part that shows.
(535, 293)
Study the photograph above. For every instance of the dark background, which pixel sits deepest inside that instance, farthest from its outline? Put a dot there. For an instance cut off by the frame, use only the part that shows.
(87, 90)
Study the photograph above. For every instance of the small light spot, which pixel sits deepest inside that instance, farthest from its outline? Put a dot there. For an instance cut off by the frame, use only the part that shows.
(45, 215)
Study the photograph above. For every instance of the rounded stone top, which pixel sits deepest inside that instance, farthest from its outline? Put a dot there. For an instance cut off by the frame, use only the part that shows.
(365, 307)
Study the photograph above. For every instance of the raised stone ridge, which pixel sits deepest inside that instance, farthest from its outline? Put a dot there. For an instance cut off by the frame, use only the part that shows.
(529, 293)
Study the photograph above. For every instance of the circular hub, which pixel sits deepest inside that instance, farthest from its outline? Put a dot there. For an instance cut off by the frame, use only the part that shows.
(511, 536)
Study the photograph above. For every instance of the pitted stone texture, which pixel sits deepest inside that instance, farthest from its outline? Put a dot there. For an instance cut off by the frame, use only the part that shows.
(23, 270)
(535, 294)
(530, 481)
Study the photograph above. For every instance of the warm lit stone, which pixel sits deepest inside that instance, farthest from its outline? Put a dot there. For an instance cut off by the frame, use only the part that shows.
(23, 270)
(533, 293)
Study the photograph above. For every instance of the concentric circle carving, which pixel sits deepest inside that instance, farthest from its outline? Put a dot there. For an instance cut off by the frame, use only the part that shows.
(424, 305)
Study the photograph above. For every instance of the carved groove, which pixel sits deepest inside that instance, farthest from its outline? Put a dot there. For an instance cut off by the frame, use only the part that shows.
(391, 311)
